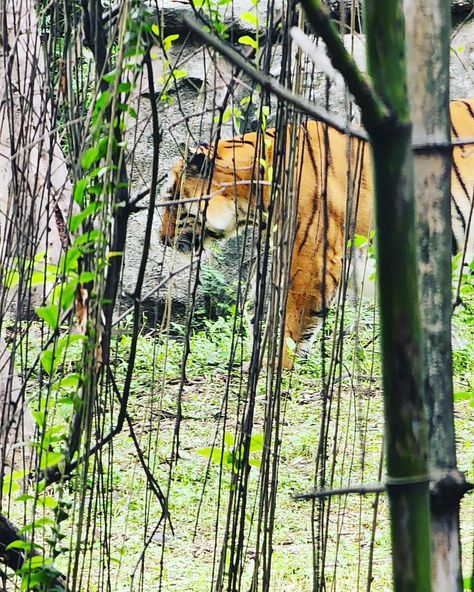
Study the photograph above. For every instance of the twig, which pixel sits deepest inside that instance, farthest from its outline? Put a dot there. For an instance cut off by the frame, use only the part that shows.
(360, 489)
(441, 485)
(132, 204)
(153, 291)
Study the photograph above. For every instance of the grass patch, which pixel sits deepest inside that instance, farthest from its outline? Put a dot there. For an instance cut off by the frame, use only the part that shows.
(123, 516)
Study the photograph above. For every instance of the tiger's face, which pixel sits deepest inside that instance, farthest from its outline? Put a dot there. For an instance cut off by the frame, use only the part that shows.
(210, 199)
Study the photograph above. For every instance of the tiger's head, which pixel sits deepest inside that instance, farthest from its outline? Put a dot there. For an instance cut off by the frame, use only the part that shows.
(210, 194)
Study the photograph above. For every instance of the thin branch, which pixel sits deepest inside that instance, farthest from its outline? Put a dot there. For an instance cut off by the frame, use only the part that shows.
(448, 483)
(153, 291)
(360, 489)
(270, 84)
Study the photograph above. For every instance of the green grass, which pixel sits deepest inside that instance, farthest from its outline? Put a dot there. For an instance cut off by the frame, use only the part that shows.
(184, 560)
(353, 449)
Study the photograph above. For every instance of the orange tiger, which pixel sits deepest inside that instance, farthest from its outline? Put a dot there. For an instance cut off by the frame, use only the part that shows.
(228, 175)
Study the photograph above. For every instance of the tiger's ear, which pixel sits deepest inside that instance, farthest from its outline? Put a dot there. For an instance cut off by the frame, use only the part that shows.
(201, 163)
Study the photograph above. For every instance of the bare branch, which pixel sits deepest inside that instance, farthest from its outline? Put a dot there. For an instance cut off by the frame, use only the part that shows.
(272, 85)
(372, 107)
(360, 489)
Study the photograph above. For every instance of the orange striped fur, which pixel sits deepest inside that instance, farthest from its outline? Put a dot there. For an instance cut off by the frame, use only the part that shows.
(226, 177)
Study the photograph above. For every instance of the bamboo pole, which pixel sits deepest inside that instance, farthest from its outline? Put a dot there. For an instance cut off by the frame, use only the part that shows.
(402, 345)
(428, 43)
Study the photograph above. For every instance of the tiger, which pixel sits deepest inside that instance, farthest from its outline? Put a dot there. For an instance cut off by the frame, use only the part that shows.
(213, 192)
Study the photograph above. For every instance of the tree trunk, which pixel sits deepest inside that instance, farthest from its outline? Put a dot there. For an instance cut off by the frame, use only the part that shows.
(428, 36)
(35, 194)
(337, 7)
(405, 424)
(386, 117)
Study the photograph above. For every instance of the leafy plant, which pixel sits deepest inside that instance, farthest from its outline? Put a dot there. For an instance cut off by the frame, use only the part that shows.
(231, 454)
(219, 294)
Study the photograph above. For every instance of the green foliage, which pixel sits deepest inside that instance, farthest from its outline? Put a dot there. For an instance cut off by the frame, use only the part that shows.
(463, 330)
(232, 455)
(214, 10)
(218, 292)
(68, 347)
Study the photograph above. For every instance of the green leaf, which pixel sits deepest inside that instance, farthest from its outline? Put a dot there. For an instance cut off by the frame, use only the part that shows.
(68, 294)
(216, 454)
(51, 357)
(68, 383)
(225, 116)
(47, 361)
(125, 87)
(257, 463)
(10, 486)
(48, 502)
(66, 340)
(70, 259)
(103, 146)
(256, 443)
(39, 417)
(247, 40)
(78, 219)
(80, 189)
(168, 41)
(43, 521)
(229, 439)
(49, 314)
(180, 73)
(360, 241)
(89, 237)
(25, 498)
(51, 459)
(38, 278)
(11, 278)
(155, 29)
(103, 100)
(87, 276)
(110, 76)
(26, 545)
(467, 584)
(249, 17)
(90, 156)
